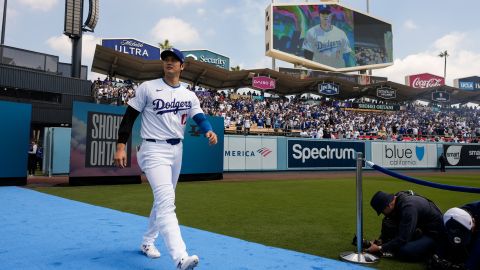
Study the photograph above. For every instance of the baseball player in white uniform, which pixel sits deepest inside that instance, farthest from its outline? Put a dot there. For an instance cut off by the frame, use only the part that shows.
(165, 106)
(325, 43)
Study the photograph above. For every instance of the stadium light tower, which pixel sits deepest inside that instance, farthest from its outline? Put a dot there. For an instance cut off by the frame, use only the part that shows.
(3, 21)
(73, 28)
(445, 55)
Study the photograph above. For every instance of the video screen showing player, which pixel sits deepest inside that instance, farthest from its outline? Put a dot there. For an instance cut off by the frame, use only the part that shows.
(330, 35)
(326, 43)
(321, 33)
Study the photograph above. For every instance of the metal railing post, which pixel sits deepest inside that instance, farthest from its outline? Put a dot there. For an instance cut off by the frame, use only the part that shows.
(359, 256)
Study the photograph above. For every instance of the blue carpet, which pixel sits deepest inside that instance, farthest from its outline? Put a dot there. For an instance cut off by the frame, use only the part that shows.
(39, 231)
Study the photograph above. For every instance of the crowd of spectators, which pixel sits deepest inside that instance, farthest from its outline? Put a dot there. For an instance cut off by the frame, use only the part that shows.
(113, 91)
(370, 56)
(333, 119)
(251, 113)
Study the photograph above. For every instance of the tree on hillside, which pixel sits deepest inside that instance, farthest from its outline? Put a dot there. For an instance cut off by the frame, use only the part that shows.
(236, 68)
(165, 45)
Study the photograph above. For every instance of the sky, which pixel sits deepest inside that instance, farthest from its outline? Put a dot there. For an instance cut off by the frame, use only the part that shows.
(235, 28)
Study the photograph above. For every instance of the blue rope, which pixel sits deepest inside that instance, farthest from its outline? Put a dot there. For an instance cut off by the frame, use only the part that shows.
(422, 182)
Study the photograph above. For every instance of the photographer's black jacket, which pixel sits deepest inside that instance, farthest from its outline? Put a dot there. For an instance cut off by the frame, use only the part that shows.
(411, 213)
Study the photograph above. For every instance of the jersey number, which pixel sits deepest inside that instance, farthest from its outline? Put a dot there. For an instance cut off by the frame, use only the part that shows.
(184, 119)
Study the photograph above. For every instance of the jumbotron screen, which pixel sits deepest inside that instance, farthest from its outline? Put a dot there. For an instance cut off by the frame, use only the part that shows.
(329, 37)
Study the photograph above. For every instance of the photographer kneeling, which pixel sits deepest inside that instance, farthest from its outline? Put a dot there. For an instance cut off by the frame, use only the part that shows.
(462, 249)
(411, 227)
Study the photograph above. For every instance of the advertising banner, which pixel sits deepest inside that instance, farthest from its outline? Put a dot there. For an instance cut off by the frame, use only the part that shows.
(380, 107)
(93, 143)
(424, 80)
(322, 154)
(404, 155)
(133, 47)
(250, 153)
(330, 37)
(328, 89)
(209, 57)
(263, 83)
(468, 83)
(462, 155)
(440, 96)
(386, 93)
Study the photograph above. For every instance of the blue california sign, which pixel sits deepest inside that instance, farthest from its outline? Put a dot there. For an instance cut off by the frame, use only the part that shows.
(133, 47)
(420, 151)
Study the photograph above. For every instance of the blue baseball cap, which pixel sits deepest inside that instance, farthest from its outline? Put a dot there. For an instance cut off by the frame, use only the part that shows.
(324, 9)
(173, 52)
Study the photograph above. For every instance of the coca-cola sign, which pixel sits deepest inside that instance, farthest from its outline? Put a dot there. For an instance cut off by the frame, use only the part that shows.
(263, 83)
(424, 80)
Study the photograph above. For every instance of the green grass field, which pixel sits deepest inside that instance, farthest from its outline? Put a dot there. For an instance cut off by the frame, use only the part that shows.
(312, 216)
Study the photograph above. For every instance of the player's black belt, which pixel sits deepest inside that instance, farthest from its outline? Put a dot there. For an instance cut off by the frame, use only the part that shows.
(170, 141)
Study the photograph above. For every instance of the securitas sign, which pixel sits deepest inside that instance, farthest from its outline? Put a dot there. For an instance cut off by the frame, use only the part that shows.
(322, 154)
(209, 57)
(133, 47)
(404, 155)
(328, 89)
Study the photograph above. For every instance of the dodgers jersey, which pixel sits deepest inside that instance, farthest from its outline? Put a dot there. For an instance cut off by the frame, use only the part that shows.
(328, 47)
(164, 109)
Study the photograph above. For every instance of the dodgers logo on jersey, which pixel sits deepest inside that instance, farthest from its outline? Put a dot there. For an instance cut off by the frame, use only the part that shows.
(171, 106)
(328, 45)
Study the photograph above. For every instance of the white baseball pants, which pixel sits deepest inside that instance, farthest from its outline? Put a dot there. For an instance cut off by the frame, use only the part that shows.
(161, 163)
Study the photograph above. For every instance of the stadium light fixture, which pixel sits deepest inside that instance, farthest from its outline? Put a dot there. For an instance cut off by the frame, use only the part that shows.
(73, 18)
(4, 21)
(445, 55)
(93, 14)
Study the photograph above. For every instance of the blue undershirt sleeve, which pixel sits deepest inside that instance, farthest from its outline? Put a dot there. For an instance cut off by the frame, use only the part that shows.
(202, 122)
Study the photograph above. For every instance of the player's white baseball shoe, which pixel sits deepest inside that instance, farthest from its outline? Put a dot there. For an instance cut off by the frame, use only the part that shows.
(188, 263)
(150, 251)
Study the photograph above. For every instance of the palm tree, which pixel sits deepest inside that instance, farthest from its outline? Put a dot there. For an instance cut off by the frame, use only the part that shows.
(236, 68)
(165, 45)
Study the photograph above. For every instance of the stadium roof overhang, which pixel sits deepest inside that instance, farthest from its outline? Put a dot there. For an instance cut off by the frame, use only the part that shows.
(110, 62)
(407, 93)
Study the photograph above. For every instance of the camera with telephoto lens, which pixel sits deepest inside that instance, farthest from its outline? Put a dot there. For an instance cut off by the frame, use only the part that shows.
(437, 263)
(365, 243)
